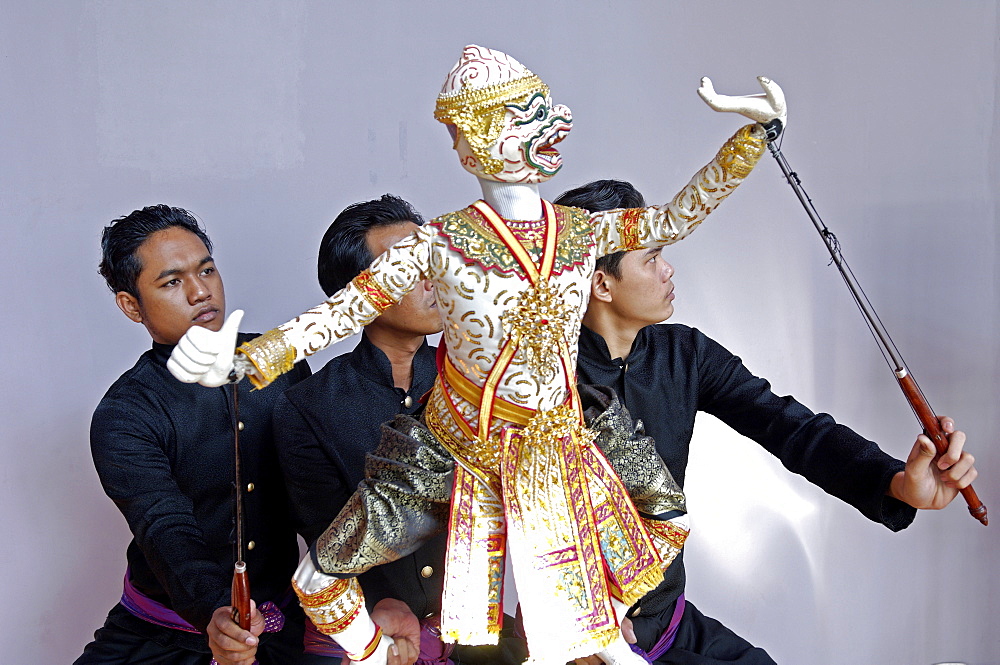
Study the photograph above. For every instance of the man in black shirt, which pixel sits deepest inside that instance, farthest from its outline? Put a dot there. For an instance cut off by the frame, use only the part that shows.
(164, 453)
(328, 424)
(665, 374)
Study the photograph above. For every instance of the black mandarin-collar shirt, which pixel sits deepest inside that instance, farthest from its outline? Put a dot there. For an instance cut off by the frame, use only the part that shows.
(673, 371)
(164, 453)
(325, 426)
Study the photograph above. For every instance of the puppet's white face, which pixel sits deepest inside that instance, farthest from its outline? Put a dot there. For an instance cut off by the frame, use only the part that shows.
(526, 145)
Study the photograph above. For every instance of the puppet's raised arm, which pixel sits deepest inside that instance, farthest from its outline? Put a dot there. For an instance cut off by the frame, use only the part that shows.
(205, 357)
(635, 228)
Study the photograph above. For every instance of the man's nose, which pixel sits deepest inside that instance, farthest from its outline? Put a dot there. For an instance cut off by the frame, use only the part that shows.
(668, 270)
(199, 291)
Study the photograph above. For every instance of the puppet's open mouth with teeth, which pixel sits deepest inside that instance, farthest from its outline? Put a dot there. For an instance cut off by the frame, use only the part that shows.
(540, 149)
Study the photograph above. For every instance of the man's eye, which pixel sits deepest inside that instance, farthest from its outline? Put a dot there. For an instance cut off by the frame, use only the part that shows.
(173, 282)
(208, 271)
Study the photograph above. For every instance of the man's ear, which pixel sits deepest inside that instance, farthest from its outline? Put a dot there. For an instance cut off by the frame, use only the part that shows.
(129, 304)
(601, 286)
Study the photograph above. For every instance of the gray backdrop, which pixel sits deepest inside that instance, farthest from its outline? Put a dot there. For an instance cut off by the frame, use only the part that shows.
(267, 118)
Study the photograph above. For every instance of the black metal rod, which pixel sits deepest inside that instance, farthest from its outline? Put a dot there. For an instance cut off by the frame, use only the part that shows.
(874, 323)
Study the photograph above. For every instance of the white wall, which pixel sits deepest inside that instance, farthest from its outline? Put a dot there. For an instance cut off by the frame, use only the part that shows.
(267, 118)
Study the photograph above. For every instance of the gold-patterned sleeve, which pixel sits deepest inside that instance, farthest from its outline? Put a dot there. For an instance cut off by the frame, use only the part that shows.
(637, 228)
(632, 454)
(402, 502)
(390, 277)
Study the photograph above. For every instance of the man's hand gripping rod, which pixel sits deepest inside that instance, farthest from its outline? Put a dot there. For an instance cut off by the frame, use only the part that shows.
(907, 383)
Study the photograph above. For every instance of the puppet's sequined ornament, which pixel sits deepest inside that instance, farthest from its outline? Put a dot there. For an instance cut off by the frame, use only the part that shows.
(537, 325)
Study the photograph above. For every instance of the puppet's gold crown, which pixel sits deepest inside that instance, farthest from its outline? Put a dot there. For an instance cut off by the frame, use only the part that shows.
(487, 98)
(479, 112)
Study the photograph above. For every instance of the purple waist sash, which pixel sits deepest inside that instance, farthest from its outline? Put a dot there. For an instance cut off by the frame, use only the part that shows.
(432, 650)
(667, 638)
(147, 609)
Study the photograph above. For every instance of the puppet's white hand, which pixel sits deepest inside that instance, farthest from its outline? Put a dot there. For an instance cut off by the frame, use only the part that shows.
(760, 108)
(205, 356)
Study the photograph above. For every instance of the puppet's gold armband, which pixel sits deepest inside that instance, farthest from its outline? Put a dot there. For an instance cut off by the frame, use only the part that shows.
(332, 609)
(740, 154)
(270, 354)
(373, 292)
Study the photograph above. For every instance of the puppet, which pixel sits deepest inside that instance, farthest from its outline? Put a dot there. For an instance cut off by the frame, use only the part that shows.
(512, 277)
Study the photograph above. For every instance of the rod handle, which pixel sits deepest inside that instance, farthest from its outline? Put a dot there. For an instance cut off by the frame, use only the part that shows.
(932, 428)
(241, 595)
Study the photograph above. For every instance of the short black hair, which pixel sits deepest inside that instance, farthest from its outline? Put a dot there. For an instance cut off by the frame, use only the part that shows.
(122, 238)
(598, 196)
(343, 252)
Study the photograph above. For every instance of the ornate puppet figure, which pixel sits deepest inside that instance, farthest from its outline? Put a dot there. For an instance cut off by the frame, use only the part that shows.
(512, 275)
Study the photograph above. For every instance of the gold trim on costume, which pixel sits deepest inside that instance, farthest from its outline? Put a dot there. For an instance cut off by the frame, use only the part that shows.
(668, 537)
(628, 228)
(270, 354)
(370, 649)
(489, 390)
(470, 392)
(533, 272)
(548, 498)
(472, 599)
(332, 608)
(472, 236)
(372, 291)
(452, 432)
(740, 154)
(536, 324)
